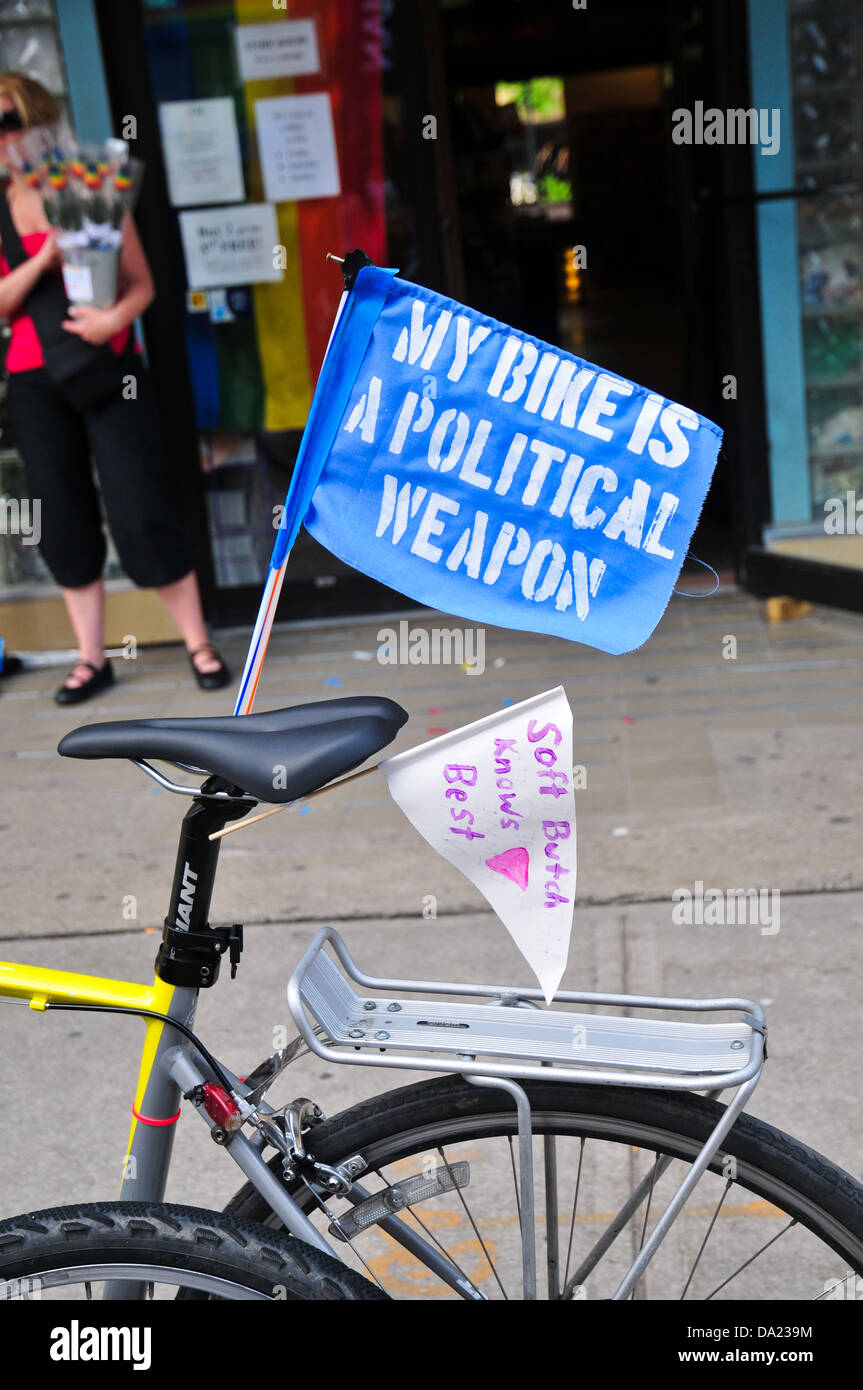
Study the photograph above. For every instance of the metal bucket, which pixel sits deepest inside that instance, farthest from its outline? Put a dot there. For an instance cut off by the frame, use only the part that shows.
(90, 275)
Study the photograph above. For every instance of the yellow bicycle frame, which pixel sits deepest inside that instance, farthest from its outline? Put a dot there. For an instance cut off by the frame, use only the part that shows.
(148, 1152)
(43, 987)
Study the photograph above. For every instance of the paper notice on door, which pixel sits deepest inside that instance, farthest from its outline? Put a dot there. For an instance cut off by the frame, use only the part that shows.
(287, 48)
(297, 147)
(202, 152)
(230, 246)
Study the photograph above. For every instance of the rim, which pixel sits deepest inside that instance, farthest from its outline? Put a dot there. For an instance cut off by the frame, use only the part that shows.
(781, 1215)
(66, 1277)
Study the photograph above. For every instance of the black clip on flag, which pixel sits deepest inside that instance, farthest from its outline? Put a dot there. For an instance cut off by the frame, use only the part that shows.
(351, 264)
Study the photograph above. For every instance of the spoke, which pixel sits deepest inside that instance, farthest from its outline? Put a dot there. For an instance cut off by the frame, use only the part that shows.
(469, 1215)
(433, 1238)
(638, 1289)
(649, 1200)
(724, 1194)
(612, 1231)
(379, 1172)
(515, 1181)
(88, 1291)
(747, 1263)
(582, 1143)
(338, 1225)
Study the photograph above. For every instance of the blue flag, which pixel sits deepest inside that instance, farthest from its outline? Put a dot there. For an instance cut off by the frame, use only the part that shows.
(491, 475)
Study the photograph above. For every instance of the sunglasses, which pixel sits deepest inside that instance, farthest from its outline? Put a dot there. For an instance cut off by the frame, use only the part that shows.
(10, 120)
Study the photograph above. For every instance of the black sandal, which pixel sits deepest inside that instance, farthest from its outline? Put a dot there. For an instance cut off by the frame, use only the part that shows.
(10, 666)
(210, 680)
(101, 679)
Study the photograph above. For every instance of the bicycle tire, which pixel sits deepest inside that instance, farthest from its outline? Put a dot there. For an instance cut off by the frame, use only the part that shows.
(770, 1164)
(36, 1249)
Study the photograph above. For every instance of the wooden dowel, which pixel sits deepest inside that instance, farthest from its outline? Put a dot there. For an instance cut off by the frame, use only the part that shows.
(249, 820)
(274, 810)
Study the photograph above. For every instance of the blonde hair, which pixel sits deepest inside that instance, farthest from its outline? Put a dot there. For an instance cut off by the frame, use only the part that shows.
(33, 102)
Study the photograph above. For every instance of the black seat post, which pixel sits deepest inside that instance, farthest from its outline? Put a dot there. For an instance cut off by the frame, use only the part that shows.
(190, 950)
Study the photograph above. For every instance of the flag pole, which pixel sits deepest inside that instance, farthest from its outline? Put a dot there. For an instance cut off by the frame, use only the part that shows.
(257, 652)
(274, 810)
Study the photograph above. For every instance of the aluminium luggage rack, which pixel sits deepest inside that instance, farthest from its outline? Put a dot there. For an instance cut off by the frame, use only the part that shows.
(521, 1039)
(517, 1041)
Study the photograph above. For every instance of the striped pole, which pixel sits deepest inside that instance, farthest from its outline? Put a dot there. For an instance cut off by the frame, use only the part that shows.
(272, 588)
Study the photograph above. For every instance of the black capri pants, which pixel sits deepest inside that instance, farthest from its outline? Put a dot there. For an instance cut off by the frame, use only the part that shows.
(56, 443)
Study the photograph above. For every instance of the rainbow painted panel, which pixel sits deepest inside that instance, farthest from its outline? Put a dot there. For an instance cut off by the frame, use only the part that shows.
(259, 372)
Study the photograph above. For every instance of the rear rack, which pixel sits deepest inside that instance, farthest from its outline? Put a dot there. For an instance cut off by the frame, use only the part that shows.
(517, 1039)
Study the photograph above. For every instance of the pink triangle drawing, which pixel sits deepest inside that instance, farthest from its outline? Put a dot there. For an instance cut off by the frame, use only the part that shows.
(513, 864)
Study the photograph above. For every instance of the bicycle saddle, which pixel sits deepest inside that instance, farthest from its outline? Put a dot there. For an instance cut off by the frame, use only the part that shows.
(278, 756)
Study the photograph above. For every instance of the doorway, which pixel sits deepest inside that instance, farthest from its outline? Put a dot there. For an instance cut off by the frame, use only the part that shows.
(578, 220)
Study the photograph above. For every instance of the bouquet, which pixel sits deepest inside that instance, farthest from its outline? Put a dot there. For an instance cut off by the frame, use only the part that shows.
(86, 192)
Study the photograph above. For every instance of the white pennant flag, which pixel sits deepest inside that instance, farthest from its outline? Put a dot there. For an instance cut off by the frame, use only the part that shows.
(495, 798)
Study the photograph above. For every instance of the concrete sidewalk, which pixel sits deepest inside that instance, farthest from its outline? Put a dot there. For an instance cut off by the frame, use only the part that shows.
(740, 773)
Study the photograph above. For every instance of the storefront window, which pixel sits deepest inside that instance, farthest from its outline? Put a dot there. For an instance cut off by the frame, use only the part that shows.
(806, 63)
(828, 110)
(11, 10)
(271, 131)
(29, 43)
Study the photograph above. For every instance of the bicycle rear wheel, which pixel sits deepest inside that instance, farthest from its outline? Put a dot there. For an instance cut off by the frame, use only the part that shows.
(71, 1253)
(772, 1219)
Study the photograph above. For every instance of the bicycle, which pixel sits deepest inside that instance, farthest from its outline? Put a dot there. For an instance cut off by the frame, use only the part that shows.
(529, 1106)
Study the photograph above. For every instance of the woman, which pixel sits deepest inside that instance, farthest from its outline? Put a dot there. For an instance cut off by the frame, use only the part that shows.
(56, 438)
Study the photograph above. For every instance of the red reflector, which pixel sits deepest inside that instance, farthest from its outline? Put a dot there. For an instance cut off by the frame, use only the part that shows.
(220, 1108)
